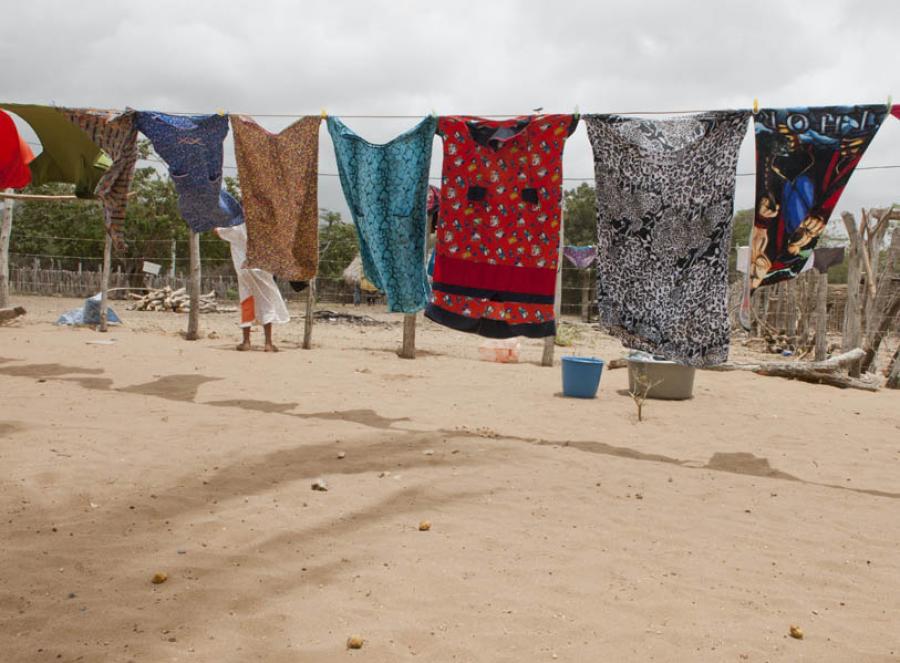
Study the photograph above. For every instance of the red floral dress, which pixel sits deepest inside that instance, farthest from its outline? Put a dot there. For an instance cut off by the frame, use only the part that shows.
(497, 246)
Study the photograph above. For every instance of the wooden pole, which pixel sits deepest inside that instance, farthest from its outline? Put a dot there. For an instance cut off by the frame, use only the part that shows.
(5, 232)
(893, 381)
(193, 330)
(822, 317)
(408, 351)
(586, 295)
(550, 341)
(310, 310)
(104, 282)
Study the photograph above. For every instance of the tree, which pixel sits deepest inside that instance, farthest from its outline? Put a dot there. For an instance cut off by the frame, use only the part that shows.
(580, 212)
(71, 232)
(338, 244)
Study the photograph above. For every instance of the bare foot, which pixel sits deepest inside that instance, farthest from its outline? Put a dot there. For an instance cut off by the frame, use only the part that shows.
(243, 347)
(271, 347)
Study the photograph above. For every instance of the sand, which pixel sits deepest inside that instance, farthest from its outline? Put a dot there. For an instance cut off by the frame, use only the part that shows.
(561, 529)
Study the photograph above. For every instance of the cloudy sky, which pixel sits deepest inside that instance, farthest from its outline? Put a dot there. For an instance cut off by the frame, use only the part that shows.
(400, 57)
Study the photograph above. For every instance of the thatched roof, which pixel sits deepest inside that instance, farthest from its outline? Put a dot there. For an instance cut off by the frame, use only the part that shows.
(353, 273)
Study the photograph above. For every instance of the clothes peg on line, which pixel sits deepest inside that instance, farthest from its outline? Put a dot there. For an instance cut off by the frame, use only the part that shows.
(890, 103)
(220, 112)
(324, 114)
(755, 105)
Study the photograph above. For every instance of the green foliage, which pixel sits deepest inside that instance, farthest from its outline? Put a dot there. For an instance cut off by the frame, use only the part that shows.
(740, 236)
(580, 214)
(68, 231)
(337, 244)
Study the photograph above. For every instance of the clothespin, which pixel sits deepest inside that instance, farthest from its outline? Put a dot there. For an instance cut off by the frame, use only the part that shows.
(577, 113)
(890, 103)
(220, 112)
(755, 105)
(433, 113)
(324, 114)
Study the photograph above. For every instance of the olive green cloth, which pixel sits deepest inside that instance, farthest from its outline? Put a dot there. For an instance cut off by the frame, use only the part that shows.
(68, 153)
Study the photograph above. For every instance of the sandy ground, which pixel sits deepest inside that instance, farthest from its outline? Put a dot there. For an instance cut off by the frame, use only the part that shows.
(561, 530)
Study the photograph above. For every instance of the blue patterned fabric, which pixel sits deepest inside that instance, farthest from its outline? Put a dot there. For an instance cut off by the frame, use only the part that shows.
(191, 145)
(386, 187)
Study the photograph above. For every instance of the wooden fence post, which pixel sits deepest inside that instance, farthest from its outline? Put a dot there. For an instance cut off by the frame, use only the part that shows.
(822, 317)
(408, 351)
(104, 282)
(193, 330)
(5, 232)
(550, 341)
(310, 310)
(586, 295)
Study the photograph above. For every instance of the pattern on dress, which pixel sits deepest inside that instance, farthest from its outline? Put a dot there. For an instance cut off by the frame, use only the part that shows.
(497, 248)
(386, 187)
(804, 159)
(191, 145)
(279, 190)
(665, 194)
(115, 134)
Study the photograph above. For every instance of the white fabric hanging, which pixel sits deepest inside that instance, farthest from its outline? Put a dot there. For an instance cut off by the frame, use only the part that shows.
(260, 298)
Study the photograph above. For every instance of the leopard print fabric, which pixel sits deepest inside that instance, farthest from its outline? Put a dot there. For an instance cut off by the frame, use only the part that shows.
(665, 197)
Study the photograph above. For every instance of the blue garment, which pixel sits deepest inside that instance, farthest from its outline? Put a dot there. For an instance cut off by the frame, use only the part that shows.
(798, 198)
(191, 145)
(386, 187)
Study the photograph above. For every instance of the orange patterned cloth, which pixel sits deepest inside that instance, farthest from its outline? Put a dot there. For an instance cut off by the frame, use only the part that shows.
(279, 190)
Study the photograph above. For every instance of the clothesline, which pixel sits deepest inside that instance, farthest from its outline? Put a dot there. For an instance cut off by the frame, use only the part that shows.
(437, 178)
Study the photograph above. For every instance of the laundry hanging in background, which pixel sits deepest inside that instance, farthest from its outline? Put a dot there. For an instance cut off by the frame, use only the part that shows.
(804, 158)
(386, 187)
(581, 257)
(96, 150)
(824, 258)
(895, 111)
(279, 192)
(115, 134)
(15, 155)
(67, 155)
(665, 195)
(260, 298)
(191, 146)
(497, 250)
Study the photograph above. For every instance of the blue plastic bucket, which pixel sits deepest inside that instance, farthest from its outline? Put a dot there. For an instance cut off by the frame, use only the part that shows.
(581, 376)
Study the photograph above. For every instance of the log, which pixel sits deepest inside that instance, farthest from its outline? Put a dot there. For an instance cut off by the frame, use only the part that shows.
(408, 351)
(5, 232)
(7, 314)
(817, 372)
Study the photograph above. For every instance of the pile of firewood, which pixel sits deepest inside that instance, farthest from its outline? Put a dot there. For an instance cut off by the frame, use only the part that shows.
(177, 301)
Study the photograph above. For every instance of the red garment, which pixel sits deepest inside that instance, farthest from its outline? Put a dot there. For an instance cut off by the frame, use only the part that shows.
(497, 246)
(15, 155)
(895, 111)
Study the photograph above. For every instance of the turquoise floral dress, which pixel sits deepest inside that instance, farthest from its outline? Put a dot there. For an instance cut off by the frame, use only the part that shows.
(386, 187)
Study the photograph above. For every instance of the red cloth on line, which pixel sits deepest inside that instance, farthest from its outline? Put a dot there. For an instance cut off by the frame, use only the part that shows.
(497, 248)
(895, 111)
(15, 155)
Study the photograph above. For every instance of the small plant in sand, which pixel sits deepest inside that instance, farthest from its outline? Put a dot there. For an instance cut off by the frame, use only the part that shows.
(638, 393)
(566, 335)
